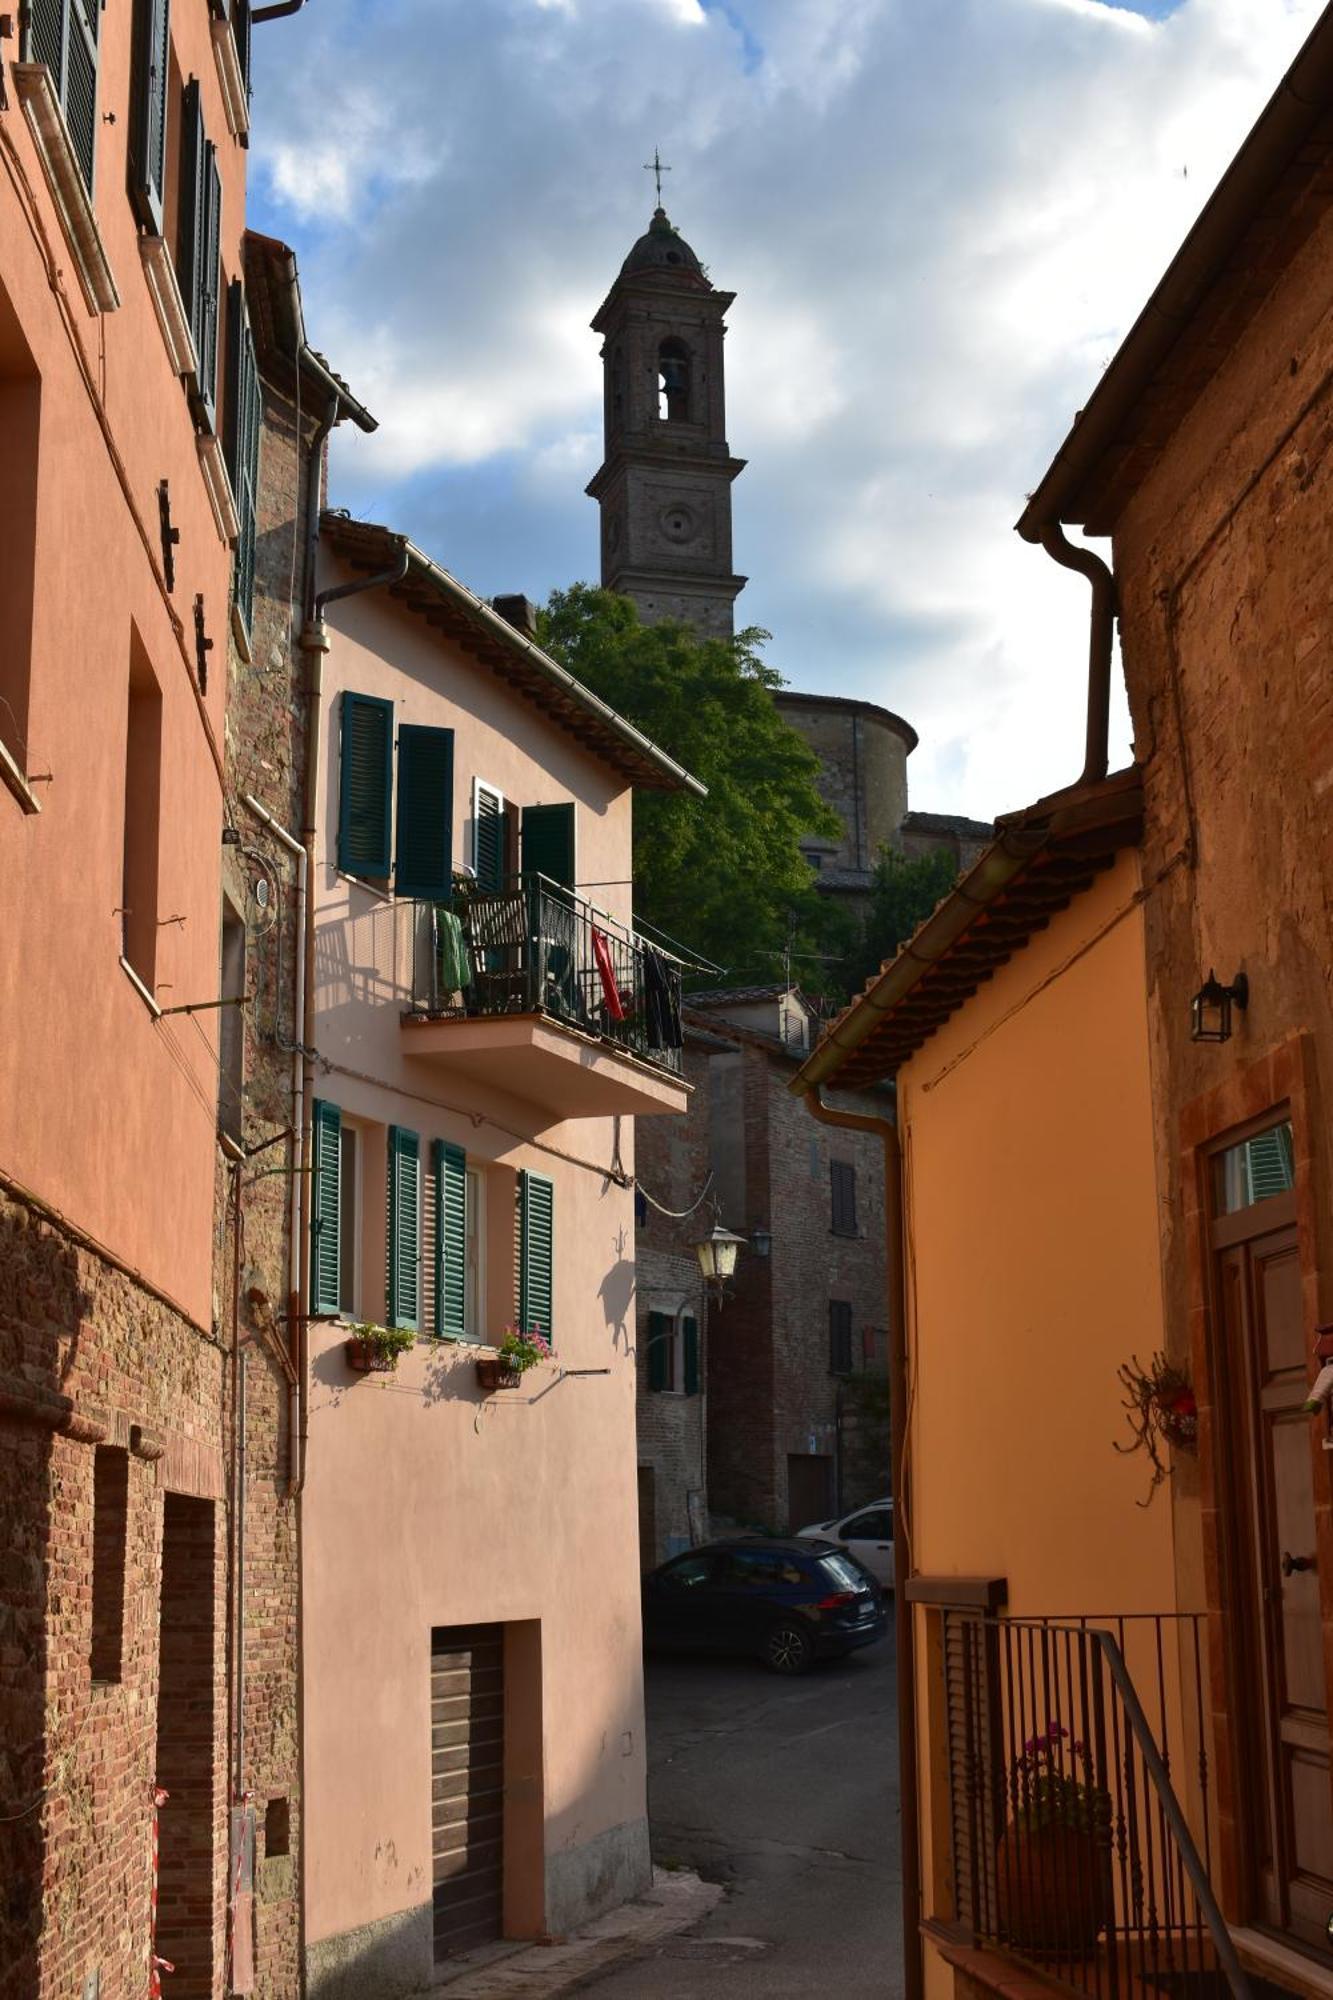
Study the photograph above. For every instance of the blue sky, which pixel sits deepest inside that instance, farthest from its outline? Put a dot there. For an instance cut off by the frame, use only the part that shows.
(938, 216)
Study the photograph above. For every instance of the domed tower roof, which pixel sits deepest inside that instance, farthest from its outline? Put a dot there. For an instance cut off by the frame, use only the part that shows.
(663, 249)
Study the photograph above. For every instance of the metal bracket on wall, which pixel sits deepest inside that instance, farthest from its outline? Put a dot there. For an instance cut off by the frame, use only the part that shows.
(203, 645)
(170, 536)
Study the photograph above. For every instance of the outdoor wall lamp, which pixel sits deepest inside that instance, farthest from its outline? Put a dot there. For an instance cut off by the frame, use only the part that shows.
(1210, 1009)
(717, 1255)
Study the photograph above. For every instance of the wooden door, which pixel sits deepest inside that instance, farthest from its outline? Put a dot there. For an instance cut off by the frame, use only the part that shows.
(1275, 1615)
(467, 1785)
(809, 1490)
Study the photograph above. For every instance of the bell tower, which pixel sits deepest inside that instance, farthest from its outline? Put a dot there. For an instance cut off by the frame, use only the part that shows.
(664, 486)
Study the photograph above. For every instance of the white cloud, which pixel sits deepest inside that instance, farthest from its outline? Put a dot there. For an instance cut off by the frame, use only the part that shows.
(939, 220)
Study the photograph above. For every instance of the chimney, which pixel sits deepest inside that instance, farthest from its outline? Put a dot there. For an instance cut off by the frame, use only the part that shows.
(519, 612)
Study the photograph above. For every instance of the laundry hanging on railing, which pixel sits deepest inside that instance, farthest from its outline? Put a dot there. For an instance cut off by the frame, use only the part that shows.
(601, 951)
(453, 966)
(661, 982)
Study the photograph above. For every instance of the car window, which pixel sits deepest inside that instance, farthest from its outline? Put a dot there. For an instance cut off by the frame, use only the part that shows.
(690, 1573)
(758, 1569)
(845, 1574)
(874, 1526)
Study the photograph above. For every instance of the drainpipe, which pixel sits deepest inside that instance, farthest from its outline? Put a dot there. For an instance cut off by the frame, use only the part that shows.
(1100, 640)
(296, 1388)
(887, 1131)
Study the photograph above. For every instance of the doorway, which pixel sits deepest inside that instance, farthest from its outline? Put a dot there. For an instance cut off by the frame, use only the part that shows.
(186, 1701)
(467, 1728)
(1267, 1465)
(809, 1489)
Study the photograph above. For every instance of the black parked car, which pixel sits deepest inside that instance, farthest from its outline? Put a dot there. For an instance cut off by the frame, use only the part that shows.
(787, 1602)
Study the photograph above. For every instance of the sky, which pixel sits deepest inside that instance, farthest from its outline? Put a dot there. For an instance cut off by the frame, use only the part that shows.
(939, 218)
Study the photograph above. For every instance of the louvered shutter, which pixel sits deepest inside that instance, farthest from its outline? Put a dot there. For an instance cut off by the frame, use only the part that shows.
(976, 1767)
(536, 1257)
(148, 109)
(211, 280)
(365, 777)
(192, 230)
(241, 27)
(842, 1175)
(450, 1167)
(659, 1351)
(423, 859)
(489, 847)
(690, 1327)
(63, 35)
(548, 843)
(325, 1208)
(244, 424)
(840, 1337)
(404, 1227)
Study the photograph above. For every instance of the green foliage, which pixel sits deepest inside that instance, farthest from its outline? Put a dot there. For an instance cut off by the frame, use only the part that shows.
(724, 874)
(906, 890)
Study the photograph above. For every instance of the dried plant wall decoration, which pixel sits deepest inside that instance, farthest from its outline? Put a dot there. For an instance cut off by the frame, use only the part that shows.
(1161, 1410)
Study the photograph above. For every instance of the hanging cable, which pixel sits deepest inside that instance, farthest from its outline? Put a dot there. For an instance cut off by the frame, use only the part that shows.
(675, 1214)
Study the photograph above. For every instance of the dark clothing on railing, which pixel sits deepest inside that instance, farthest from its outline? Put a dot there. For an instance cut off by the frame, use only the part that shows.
(662, 1002)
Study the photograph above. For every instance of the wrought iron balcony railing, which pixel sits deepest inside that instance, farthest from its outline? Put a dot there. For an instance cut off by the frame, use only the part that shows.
(1080, 1802)
(533, 947)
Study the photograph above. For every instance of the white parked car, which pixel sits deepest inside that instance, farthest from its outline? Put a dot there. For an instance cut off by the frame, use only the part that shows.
(867, 1534)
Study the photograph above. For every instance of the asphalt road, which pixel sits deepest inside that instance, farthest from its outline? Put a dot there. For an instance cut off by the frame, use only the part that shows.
(786, 1791)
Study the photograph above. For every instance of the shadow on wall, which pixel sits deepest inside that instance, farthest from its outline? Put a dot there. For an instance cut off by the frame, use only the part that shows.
(616, 1293)
(42, 1304)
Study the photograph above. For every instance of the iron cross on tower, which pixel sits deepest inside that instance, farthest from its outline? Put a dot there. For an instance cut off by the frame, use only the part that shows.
(657, 169)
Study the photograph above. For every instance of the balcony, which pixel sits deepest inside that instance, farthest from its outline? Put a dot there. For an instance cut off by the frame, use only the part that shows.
(536, 992)
(1080, 1805)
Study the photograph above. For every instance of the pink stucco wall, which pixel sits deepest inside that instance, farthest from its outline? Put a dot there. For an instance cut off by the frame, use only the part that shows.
(104, 1114)
(427, 1505)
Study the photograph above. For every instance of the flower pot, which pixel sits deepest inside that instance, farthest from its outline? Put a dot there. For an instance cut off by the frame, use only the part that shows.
(493, 1373)
(1054, 1888)
(366, 1359)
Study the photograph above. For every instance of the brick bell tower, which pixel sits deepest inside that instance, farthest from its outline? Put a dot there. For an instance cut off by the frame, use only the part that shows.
(664, 486)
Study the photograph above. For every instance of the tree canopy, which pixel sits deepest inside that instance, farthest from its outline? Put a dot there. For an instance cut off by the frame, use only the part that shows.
(906, 890)
(723, 875)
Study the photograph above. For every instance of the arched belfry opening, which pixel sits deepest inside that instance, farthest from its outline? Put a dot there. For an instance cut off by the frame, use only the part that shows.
(673, 381)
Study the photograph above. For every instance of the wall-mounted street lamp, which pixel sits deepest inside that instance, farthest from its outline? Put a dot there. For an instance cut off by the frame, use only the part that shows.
(717, 1256)
(761, 1240)
(1210, 1009)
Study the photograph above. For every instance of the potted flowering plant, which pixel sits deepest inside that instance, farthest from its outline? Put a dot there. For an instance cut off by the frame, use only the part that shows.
(374, 1350)
(516, 1352)
(1053, 1863)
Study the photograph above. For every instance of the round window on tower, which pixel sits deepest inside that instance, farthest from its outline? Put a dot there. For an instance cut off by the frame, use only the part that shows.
(678, 523)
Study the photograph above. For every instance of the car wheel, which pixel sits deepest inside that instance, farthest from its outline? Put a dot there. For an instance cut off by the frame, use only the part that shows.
(788, 1649)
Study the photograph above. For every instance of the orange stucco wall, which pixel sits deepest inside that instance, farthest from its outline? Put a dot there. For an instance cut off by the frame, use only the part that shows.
(1033, 1273)
(103, 1114)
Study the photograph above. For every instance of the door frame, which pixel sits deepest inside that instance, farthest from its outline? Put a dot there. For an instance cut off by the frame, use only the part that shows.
(1280, 1083)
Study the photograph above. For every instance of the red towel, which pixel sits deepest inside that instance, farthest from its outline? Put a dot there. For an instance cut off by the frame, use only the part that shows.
(601, 951)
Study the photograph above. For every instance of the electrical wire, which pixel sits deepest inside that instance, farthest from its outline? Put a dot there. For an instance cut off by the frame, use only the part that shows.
(676, 1214)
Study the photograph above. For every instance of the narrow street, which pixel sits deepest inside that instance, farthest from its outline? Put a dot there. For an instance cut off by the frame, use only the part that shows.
(786, 1791)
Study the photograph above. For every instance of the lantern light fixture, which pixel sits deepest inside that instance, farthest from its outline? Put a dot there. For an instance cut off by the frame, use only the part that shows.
(761, 1240)
(717, 1255)
(1211, 1007)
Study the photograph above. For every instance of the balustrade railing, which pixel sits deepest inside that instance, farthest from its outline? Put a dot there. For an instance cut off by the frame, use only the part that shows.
(535, 947)
(1080, 1801)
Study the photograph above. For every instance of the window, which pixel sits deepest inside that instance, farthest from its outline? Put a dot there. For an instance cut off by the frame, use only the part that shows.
(326, 1209)
(536, 1253)
(753, 1569)
(673, 381)
(404, 1198)
(111, 1491)
(489, 836)
(245, 422)
(231, 1024)
(1254, 1170)
(20, 414)
(63, 35)
(662, 1345)
(199, 245)
(876, 1525)
(423, 857)
(689, 1573)
(139, 852)
(349, 1221)
(548, 842)
(839, 1337)
(151, 65)
(842, 1178)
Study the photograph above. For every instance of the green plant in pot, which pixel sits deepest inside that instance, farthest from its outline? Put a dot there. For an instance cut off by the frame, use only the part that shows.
(516, 1351)
(374, 1350)
(1053, 1863)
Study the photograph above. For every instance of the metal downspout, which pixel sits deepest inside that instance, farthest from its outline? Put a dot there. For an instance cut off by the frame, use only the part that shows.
(856, 1121)
(1100, 641)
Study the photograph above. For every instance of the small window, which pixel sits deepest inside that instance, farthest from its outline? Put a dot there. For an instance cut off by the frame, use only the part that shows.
(673, 381)
(663, 1338)
(1255, 1170)
(277, 1829)
(842, 1178)
(111, 1490)
(349, 1235)
(840, 1337)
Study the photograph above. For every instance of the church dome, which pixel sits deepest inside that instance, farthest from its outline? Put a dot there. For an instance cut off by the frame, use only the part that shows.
(663, 248)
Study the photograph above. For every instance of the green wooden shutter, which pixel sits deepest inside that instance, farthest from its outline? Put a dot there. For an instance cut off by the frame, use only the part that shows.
(365, 800)
(192, 228)
(691, 1328)
(63, 35)
(489, 845)
(450, 1165)
(536, 1252)
(423, 860)
(148, 109)
(211, 282)
(548, 843)
(325, 1208)
(659, 1352)
(242, 27)
(404, 1227)
(245, 413)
